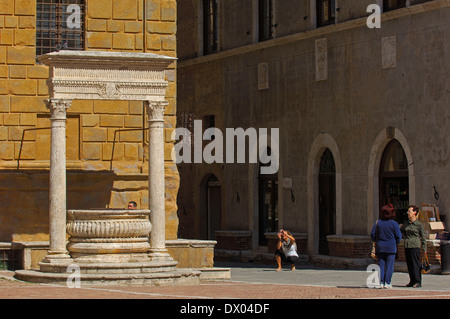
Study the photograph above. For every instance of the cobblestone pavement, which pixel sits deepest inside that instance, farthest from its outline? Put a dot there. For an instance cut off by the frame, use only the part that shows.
(247, 282)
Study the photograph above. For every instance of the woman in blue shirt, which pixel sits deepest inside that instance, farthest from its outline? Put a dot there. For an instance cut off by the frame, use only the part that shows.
(386, 235)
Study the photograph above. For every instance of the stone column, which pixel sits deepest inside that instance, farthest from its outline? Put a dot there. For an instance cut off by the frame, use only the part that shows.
(156, 188)
(57, 184)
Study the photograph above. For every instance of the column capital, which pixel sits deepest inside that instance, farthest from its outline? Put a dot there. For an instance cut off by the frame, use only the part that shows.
(58, 108)
(156, 110)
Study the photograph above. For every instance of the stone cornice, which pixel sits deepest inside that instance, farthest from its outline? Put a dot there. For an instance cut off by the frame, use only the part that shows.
(101, 58)
(106, 75)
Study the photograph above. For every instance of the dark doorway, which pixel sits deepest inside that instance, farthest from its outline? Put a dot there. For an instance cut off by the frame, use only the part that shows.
(214, 206)
(268, 204)
(210, 215)
(327, 200)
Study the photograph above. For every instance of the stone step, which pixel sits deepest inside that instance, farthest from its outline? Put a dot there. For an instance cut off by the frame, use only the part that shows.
(214, 273)
(112, 268)
(176, 277)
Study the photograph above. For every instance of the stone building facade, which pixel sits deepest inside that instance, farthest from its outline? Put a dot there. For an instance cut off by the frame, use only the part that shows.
(362, 113)
(107, 141)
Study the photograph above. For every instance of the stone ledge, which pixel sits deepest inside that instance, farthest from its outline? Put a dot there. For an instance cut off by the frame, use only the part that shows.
(234, 233)
(177, 277)
(346, 238)
(274, 235)
(5, 246)
(195, 243)
(29, 244)
(214, 273)
(251, 256)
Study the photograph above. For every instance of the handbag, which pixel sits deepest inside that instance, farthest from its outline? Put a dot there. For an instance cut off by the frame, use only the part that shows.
(425, 265)
(373, 253)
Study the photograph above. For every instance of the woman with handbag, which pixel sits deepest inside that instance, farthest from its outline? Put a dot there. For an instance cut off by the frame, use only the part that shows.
(386, 235)
(414, 240)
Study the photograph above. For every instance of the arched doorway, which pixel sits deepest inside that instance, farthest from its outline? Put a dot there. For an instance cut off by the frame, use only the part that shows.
(320, 145)
(211, 212)
(327, 200)
(394, 181)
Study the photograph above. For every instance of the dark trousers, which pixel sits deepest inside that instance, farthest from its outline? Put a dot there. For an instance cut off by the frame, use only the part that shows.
(413, 262)
(386, 263)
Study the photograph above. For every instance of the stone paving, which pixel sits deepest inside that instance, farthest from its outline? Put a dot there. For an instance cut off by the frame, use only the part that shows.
(248, 281)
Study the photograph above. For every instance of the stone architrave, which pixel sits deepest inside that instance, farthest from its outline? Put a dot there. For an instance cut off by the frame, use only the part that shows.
(96, 75)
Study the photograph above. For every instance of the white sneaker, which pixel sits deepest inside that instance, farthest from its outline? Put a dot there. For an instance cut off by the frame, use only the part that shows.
(388, 286)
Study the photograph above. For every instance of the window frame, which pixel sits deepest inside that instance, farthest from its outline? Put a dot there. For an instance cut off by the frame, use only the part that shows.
(265, 20)
(210, 26)
(52, 32)
(389, 7)
(330, 12)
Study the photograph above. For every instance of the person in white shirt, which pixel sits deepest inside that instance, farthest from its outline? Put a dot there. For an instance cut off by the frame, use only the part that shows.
(286, 249)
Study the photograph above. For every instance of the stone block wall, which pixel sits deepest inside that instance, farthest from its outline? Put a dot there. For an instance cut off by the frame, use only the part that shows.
(234, 240)
(349, 246)
(22, 82)
(433, 252)
(192, 253)
(103, 137)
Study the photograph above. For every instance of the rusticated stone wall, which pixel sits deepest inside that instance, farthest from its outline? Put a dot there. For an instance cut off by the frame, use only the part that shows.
(106, 146)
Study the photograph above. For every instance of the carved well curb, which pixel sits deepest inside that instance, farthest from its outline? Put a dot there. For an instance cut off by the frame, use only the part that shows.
(108, 235)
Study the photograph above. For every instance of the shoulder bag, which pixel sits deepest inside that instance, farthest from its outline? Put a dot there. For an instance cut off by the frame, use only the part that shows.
(373, 253)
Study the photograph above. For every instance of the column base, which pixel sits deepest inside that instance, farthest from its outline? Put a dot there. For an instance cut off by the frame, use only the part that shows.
(160, 254)
(57, 258)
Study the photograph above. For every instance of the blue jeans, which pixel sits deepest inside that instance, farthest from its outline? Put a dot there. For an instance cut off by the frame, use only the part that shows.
(386, 263)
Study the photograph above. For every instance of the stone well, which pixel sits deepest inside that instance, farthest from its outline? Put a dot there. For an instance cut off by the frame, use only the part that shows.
(108, 235)
(108, 246)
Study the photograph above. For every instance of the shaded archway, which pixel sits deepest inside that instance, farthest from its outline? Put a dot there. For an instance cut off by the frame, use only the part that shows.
(394, 182)
(375, 159)
(321, 144)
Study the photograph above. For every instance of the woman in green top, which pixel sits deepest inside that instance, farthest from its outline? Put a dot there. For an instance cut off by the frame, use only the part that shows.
(414, 235)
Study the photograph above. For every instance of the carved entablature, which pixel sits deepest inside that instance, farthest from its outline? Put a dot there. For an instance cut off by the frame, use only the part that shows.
(102, 75)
